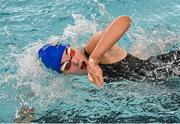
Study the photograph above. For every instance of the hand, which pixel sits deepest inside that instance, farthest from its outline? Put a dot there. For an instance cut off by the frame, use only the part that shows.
(95, 73)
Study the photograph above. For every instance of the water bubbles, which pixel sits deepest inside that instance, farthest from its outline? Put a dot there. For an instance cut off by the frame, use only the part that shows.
(40, 84)
(81, 27)
(152, 40)
(26, 82)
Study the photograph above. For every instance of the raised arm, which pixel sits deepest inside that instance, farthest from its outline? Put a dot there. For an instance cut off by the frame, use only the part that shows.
(109, 37)
(90, 46)
(100, 43)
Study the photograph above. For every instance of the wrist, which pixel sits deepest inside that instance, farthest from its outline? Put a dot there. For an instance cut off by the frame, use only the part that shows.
(94, 60)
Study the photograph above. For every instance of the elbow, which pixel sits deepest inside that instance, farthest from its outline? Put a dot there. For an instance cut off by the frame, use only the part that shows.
(125, 19)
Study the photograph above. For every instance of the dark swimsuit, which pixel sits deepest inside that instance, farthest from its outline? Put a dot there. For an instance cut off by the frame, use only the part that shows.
(156, 68)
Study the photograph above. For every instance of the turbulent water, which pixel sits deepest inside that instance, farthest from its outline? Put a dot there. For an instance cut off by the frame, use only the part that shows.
(25, 25)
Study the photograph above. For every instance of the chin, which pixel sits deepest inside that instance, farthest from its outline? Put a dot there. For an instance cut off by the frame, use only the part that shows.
(82, 71)
(78, 72)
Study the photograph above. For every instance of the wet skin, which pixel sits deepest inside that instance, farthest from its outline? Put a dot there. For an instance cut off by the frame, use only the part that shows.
(78, 62)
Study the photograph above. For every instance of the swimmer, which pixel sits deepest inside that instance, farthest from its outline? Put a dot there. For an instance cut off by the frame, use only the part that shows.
(104, 61)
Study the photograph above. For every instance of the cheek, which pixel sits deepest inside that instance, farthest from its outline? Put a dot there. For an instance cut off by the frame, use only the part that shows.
(73, 69)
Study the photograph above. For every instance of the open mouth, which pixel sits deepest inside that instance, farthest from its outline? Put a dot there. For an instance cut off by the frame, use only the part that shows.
(83, 65)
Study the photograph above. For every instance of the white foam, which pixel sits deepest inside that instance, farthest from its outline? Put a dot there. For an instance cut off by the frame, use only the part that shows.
(28, 61)
(45, 84)
(42, 86)
(101, 7)
(151, 42)
(81, 27)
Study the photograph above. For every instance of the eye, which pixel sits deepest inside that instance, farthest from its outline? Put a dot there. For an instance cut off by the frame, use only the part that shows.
(65, 66)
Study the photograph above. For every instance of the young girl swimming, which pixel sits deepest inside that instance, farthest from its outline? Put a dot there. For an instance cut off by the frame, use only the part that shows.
(103, 60)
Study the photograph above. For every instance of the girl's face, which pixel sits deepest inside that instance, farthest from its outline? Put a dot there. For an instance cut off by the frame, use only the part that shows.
(73, 62)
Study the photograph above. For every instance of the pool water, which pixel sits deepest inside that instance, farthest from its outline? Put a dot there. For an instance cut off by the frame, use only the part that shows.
(25, 25)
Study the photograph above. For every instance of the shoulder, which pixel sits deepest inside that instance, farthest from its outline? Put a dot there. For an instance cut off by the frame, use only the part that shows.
(113, 55)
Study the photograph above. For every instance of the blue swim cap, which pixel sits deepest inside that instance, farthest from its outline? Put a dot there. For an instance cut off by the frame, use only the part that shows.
(51, 55)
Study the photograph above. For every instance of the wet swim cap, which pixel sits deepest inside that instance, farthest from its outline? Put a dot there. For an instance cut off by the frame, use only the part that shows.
(51, 55)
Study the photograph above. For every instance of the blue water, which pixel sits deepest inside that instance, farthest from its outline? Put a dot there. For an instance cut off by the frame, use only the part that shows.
(27, 24)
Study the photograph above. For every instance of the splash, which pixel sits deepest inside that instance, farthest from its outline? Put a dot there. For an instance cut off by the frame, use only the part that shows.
(153, 40)
(76, 33)
(36, 84)
(80, 29)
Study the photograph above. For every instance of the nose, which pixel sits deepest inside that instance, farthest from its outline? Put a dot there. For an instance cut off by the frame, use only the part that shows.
(75, 62)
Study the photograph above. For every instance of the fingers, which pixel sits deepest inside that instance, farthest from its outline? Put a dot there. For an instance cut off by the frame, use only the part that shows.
(96, 79)
(95, 74)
